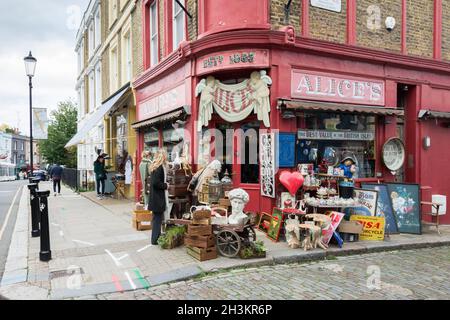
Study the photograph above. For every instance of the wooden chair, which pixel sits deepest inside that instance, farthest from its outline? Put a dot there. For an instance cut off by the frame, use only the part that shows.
(436, 206)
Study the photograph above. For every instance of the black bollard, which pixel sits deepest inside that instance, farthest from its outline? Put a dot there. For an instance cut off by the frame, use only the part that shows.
(45, 254)
(35, 214)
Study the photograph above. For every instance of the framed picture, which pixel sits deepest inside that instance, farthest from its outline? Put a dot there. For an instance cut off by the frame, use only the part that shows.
(306, 168)
(264, 222)
(287, 201)
(384, 206)
(368, 200)
(405, 200)
(286, 149)
(275, 225)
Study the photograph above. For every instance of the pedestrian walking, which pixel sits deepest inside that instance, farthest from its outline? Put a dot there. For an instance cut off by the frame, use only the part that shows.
(100, 176)
(159, 195)
(56, 175)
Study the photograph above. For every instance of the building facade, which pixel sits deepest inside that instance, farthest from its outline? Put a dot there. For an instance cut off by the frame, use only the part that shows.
(109, 57)
(324, 68)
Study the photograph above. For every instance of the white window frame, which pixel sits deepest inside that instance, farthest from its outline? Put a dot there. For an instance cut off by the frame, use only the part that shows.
(91, 80)
(82, 100)
(98, 84)
(176, 40)
(154, 34)
(98, 27)
(127, 54)
(82, 54)
(114, 66)
(113, 6)
(79, 53)
(91, 38)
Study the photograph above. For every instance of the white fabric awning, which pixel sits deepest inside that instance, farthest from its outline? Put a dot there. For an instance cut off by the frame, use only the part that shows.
(96, 118)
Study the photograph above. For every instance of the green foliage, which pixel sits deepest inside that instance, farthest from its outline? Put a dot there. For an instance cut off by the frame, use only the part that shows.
(253, 250)
(172, 238)
(62, 128)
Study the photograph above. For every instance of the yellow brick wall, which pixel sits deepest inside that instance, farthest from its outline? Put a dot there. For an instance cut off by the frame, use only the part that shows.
(137, 39)
(446, 30)
(371, 29)
(419, 35)
(277, 15)
(327, 25)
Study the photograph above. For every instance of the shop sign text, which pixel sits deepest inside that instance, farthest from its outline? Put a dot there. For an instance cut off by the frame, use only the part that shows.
(232, 59)
(373, 227)
(332, 5)
(335, 135)
(166, 102)
(320, 86)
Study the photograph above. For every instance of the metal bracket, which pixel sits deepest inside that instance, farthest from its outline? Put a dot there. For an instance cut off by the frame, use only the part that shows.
(184, 9)
(287, 10)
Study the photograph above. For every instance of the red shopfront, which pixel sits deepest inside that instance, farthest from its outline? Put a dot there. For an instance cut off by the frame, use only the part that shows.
(313, 92)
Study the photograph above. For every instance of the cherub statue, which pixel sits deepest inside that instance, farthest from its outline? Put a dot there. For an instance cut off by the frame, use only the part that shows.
(206, 88)
(239, 199)
(259, 82)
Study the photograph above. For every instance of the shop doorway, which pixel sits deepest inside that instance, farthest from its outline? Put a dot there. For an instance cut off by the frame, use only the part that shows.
(403, 91)
(236, 146)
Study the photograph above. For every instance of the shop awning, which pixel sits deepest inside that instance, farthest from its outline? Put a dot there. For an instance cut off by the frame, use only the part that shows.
(177, 114)
(97, 117)
(430, 114)
(303, 105)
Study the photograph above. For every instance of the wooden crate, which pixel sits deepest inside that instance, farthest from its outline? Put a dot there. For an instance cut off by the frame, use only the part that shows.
(201, 214)
(142, 215)
(200, 241)
(225, 203)
(199, 230)
(141, 225)
(178, 190)
(202, 254)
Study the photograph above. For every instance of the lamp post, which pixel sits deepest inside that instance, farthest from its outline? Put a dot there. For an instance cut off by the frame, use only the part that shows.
(30, 68)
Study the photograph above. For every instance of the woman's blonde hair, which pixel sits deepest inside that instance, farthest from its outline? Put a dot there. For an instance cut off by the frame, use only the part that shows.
(159, 160)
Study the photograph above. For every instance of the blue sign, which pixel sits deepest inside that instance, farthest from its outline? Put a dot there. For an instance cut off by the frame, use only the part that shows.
(384, 206)
(286, 150)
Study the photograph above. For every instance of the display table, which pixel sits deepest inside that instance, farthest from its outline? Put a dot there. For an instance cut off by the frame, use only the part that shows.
(315, 208)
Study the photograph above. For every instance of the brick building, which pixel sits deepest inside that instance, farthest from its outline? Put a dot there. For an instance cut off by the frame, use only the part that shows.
(109, 49)
(327, 60)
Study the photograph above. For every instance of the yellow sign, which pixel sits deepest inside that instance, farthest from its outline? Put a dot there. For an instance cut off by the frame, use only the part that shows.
(373, 227)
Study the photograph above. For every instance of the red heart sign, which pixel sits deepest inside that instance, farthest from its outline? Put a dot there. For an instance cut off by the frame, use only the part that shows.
(291, 181)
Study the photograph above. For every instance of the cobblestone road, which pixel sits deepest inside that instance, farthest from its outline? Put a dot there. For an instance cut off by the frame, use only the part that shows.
(413, 274)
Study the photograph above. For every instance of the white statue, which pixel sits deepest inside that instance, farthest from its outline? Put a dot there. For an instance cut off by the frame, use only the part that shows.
(239, 199)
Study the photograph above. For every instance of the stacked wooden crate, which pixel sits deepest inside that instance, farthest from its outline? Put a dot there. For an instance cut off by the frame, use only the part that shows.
(200, 240)
(178, 181)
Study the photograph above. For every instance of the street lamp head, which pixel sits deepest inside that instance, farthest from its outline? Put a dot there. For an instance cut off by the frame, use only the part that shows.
(30, 65)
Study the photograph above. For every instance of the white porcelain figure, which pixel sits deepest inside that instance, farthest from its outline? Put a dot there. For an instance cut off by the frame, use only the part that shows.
(239, 199)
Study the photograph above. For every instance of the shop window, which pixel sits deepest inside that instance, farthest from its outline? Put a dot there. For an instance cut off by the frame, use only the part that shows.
(98, 85)
(173, 138)
(121, 142)
(98, 27)
(325, 138)
(224, 147)
(249, 153)
(151, 139)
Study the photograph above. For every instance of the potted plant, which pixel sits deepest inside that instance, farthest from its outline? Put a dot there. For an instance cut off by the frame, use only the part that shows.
(174, 237)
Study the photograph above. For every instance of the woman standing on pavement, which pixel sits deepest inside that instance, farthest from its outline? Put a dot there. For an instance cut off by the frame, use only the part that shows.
(159, 196)
(100, 176)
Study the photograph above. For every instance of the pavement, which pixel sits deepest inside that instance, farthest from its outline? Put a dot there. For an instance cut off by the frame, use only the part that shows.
(96, 251)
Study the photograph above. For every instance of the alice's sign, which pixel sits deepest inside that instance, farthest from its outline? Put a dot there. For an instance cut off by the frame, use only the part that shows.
(163, 103)
(373, 227)
(324, 87)
(255, 58)
(332, 5)
(335, 135)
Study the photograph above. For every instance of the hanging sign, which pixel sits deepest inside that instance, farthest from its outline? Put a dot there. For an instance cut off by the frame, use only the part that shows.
(394, 154)
(267, 167)
(373, 227)
(234, 102)
(332, 5)
(335, 135)
(40, 124)
(325, 87)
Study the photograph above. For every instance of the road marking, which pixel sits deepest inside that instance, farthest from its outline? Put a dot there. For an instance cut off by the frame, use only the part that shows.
(144, 248)
(141, 279)
(122, 257)
(117, 262)
(117, 283)
(130, 281)
(84, 242)
(9, 213)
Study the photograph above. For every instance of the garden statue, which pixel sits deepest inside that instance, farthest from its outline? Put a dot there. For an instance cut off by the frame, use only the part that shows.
(239, 198)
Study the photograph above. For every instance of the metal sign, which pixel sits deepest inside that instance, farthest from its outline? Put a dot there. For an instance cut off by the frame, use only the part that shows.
(332, 5)
(267, 167)
(40, 124)
(335, 135)
(394, 154)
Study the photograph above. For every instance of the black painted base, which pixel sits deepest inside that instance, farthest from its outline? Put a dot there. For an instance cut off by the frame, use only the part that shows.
(35, 233)
(45, 256)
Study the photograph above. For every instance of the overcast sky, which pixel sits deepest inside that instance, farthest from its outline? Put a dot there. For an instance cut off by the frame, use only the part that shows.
(47, 28)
